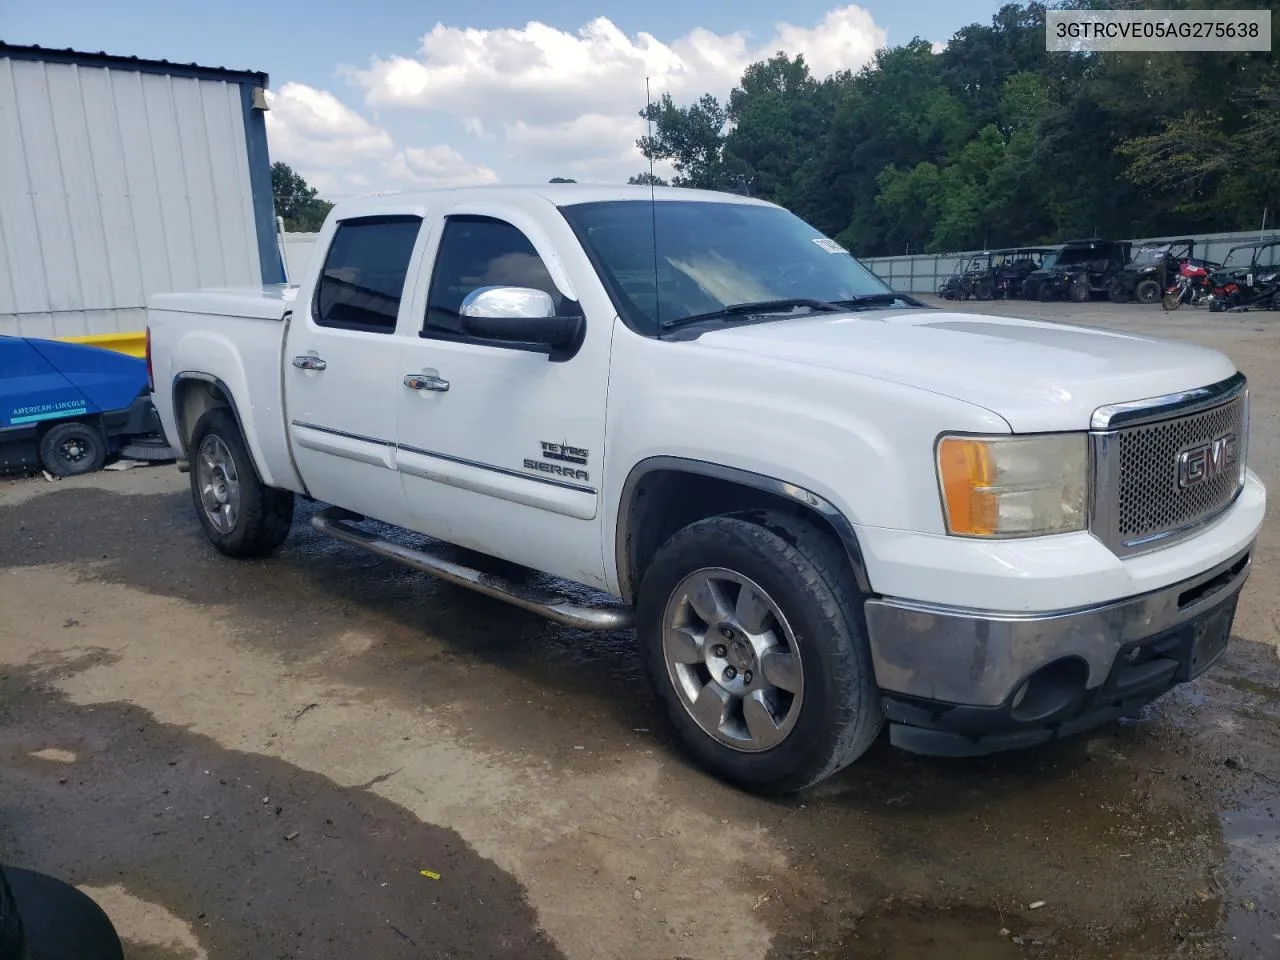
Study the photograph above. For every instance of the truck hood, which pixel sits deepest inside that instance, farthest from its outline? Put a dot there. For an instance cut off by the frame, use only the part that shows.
(1036, 375)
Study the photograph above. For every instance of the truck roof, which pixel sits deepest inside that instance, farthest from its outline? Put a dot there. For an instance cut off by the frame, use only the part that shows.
(559, 194)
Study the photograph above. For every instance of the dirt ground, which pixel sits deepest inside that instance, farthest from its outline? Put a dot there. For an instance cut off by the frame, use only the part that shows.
(262, 759)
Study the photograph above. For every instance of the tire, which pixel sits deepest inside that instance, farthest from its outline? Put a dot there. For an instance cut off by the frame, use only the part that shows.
(830, 718)
(1079, 291)
(1045, 292)
(985, 290)
(72, 449)
(1171, 301)
(1116, 291)
(260, 516)
(1148, 291)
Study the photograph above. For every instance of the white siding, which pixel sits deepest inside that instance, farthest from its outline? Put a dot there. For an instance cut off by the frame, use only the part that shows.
(114, 185)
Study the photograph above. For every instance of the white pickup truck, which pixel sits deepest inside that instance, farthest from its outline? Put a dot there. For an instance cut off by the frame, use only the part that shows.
(824, 506)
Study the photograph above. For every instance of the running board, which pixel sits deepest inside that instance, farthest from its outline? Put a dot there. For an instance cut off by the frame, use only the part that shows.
(333, 522)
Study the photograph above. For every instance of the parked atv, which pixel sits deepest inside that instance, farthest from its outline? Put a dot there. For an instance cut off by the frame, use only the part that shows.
(961, 284)
(1146, 276)
(1010, 269)
(1079, 270)
(1249, 278)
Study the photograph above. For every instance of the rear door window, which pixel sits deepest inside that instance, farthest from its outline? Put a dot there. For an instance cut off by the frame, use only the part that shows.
(364, 273)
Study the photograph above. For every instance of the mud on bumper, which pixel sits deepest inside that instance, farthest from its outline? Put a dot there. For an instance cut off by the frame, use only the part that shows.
(967, 683)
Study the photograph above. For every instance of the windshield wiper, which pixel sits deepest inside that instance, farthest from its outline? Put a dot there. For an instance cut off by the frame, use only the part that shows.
(753, 308)
(875, 299)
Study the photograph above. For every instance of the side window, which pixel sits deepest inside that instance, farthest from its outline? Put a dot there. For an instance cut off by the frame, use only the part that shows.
(364, 273)
(480, 252)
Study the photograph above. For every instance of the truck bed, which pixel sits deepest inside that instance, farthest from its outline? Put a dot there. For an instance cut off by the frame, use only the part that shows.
(236, 337)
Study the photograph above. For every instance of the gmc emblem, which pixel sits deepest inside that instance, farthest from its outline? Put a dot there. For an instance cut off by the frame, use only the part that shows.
(1203, 462)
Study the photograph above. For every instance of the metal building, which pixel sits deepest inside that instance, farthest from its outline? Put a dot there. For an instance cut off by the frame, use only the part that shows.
(120, 178)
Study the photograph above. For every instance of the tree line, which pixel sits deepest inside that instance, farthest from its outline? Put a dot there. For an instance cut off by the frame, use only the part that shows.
(993, 141)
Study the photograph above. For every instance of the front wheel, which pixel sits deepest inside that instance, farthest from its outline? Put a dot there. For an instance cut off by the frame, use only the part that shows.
(1148, 291)
(749, 630)
(1172, 300)
(1078, 291)
(72, 449)
(241, 516)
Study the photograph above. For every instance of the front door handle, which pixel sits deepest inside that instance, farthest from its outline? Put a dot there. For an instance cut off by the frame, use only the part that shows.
(424, 381)
(309, 363)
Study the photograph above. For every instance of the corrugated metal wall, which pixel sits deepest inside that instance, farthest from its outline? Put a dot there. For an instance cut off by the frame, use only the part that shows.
(116, 184)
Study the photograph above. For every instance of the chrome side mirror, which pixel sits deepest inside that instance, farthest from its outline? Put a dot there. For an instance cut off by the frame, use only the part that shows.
(522, 315)
(508, 302)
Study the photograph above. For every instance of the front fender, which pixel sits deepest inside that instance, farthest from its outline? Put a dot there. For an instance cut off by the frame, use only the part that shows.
(865, 446)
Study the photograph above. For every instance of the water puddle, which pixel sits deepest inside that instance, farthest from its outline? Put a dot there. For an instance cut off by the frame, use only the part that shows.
(907, 932)
(1251, 879)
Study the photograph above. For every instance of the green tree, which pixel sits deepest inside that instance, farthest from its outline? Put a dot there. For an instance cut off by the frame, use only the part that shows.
(646, 178)
(993, 141)
(693, 139)
(296, 201)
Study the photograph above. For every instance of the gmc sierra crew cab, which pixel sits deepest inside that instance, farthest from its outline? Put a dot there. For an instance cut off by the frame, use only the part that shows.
(824, 506)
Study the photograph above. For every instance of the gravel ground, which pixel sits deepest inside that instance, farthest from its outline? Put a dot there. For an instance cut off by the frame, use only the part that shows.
(262, 759)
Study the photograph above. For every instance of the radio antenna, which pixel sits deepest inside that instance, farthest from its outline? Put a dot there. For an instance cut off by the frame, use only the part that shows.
(653, 203)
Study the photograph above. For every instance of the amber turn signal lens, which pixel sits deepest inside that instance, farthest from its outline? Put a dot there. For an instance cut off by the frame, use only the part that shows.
(967, 476)
(1014, 486)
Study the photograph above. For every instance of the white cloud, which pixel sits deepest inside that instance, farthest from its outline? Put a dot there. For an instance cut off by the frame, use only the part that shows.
(561, 95)
(437, 166)
(533, 101)
(340, 152)
(938, 46)
(310, 126)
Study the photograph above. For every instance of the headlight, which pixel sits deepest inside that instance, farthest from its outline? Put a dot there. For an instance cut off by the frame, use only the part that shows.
(1011, 486)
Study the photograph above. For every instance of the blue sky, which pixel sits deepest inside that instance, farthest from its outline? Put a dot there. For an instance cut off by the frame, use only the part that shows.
(361, 102)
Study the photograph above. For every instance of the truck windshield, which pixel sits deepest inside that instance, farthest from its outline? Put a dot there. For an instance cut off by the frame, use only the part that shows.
(713, 255)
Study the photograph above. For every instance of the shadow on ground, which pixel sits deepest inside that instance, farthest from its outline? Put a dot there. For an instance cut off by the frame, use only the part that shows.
(260, 858)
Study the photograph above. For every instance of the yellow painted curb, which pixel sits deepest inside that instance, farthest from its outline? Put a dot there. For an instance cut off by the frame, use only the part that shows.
(133, 344)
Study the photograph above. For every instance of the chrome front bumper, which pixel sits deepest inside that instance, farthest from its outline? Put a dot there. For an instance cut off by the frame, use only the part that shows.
(954, 656)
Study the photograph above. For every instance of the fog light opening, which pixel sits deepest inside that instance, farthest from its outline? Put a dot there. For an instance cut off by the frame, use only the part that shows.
(1020, 695)
(1049, 693)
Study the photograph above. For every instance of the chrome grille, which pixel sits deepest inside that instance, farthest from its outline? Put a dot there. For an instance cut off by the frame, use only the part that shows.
(1138, 495)
(1149, 499)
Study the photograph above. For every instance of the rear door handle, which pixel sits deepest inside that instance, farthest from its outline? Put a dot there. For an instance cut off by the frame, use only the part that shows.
(423, 381)
(309, 363)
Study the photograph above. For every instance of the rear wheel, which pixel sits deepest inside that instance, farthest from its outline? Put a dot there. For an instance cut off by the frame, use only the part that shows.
(1045, 292)
(984, 290)
(1078, 291)
(72, 449)
(1116, 291)
(1148, 291)
(241, 516)
(749, 630)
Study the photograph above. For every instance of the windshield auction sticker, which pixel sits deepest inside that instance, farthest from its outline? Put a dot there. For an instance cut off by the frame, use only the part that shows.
(1096, 31)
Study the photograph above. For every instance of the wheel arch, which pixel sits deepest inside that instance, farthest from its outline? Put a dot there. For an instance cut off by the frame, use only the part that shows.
(195, 394)
(664, 493)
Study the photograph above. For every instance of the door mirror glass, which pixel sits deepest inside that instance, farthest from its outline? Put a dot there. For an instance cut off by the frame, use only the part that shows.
(508, 303)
